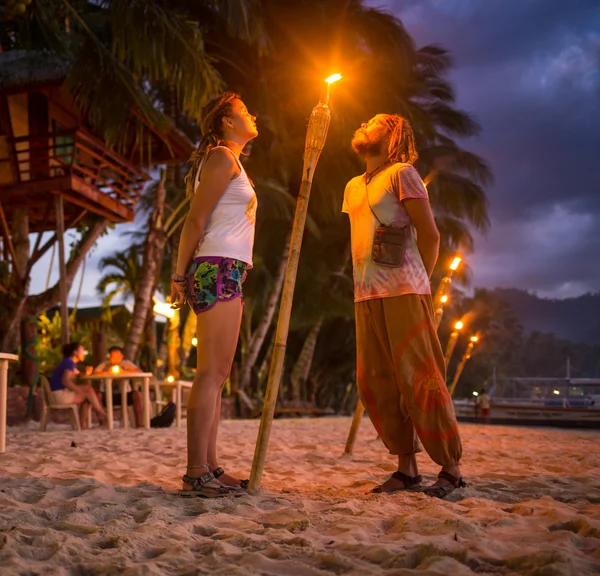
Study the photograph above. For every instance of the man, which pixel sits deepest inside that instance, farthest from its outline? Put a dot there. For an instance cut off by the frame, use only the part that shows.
(400, 364)
(64, 387)
(116, 357)
(483, 404)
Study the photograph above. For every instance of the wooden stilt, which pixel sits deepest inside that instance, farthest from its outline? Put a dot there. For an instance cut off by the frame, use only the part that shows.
(62, 282)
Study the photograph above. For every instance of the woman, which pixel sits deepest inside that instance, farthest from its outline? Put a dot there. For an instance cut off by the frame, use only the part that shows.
(65, 389)
(215, 251)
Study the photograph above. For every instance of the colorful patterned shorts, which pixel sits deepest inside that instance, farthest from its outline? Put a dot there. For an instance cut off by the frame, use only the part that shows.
(213, 278)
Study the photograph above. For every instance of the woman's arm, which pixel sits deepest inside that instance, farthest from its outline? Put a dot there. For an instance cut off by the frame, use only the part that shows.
(217, 172)
(69, 380)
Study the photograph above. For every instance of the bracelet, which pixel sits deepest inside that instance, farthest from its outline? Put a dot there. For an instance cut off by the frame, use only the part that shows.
(177, 278)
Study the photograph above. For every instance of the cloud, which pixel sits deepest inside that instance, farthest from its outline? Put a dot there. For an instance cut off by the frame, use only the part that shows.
(551, 255)
(529, 70)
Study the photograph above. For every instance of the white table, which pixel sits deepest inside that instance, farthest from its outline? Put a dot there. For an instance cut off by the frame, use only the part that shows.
(4, 360)
(123, 377)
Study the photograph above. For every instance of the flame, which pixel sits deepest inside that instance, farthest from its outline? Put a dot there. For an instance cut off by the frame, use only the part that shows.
(457, 260)
(333, 78)
(170, 379)
(458, 325)
(474, 338)
(115, 370)
(444, 299)
(194, 341)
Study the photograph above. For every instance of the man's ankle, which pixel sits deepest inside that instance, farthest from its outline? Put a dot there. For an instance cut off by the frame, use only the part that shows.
(408, 465)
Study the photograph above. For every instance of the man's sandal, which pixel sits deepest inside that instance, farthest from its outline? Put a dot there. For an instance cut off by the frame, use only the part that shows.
(218, 472)
(205, 486)
(443, 490)
(411, 483)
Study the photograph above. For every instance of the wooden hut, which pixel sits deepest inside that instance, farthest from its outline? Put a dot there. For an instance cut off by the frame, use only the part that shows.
(54, 169)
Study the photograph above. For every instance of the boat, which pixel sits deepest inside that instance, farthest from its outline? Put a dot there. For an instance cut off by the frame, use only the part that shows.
(566, 402)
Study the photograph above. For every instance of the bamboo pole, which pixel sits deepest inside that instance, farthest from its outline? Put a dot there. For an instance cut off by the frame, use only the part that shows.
(461, 366)
(315, 140)
(356, 420)
(62, 280)
(452, 342)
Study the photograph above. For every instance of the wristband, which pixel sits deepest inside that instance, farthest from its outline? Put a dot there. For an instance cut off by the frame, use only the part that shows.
(177, 278)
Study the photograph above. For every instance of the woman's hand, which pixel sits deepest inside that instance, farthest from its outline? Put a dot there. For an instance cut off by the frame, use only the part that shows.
(178, 291)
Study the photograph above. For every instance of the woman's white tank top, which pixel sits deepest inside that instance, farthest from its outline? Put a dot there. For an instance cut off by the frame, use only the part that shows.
(229, 231)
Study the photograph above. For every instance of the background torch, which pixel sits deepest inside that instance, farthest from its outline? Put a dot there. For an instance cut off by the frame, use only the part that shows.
(441, 295)
(316, 135)
(452, 341)
(466, 356)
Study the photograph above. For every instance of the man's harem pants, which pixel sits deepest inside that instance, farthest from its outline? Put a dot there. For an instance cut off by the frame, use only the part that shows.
(401, 377)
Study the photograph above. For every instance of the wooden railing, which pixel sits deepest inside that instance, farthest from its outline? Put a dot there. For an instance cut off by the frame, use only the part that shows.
(74, 153)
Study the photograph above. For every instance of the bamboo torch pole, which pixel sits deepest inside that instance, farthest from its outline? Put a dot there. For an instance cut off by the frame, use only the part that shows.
(316, 135)
(356, 420)
(463, 361)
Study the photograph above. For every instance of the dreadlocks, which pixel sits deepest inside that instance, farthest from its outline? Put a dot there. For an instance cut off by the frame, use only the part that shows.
(212, 134)
(402, 140)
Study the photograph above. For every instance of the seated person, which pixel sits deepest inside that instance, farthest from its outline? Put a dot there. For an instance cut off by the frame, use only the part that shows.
(134, 398)
(64, 387)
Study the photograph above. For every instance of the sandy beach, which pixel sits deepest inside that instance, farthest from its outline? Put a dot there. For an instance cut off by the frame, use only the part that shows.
(101, 502)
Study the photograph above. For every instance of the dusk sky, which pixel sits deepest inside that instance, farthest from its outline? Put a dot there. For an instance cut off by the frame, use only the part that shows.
(529, 71)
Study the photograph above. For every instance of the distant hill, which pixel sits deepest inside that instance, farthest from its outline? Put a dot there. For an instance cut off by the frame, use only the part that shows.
(575, 319)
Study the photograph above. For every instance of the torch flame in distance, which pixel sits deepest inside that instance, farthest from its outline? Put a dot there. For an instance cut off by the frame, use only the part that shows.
(455, 263)
(333, 78)
(458, 325)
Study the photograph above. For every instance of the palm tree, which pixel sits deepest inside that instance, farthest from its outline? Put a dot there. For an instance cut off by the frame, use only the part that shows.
(115, 72)
(284, 83)
(123, 275)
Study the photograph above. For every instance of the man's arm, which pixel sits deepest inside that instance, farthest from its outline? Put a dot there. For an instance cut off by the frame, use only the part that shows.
(428, 236)
(129, 366)
(102, 367)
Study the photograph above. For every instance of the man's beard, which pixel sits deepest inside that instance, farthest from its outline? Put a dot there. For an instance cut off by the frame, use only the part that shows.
(365, 147)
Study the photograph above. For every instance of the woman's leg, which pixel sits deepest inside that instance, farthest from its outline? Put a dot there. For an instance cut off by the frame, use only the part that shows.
(84, 411)
(89, 394)
(217, 332)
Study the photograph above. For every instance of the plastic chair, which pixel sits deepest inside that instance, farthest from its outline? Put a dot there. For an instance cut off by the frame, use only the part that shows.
(49, 403)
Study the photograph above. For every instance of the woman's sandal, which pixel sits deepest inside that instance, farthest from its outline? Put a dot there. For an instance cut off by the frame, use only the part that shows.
(205, 486)
(218, 472)
(411, 483)
(445, 489)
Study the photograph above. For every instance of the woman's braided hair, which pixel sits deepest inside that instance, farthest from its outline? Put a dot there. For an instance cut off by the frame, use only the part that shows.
(402, 146)
(212, 134)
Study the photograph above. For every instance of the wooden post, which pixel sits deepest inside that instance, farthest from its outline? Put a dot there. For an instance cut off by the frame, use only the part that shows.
(356, 420)
(98, 348)
(62, 281)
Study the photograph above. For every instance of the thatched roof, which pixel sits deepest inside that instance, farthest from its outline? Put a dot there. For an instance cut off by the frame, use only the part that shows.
(20, 68)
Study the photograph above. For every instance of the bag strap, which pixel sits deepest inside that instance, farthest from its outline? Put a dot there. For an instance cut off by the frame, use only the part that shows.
(367, 178)
(371, 207)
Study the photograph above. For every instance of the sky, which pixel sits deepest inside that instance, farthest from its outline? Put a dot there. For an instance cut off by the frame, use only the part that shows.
(529, 71)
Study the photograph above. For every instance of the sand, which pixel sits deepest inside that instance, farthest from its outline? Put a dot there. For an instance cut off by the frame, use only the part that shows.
(107, 505)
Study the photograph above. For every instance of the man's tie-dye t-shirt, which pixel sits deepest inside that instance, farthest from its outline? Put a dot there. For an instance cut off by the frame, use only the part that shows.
(387, 189)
